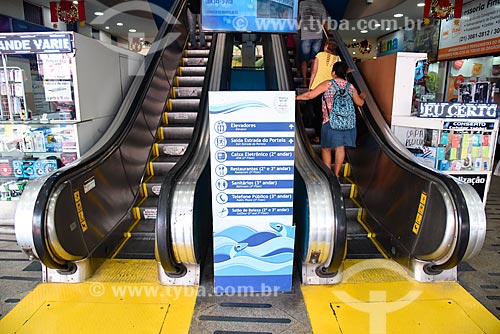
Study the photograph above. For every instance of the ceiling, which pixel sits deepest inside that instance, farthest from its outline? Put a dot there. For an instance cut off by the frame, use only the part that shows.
(138, 15)
(386, 19)
(135, 14)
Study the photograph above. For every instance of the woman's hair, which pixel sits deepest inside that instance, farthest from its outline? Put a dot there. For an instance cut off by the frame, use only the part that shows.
(340, 68)
(331, 45)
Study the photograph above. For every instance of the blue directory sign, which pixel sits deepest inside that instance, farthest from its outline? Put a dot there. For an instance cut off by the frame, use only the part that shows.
(250, 15)
(252, 140)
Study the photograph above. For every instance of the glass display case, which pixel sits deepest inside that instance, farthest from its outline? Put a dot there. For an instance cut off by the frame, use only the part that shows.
(51, 108)
(464, 148)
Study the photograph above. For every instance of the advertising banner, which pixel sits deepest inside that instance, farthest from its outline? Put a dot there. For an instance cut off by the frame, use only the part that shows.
(250, 15)
(478, 181)
(252, 140)
(476, 33)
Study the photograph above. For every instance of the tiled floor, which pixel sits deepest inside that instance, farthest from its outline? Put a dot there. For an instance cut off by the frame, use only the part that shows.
(18, 275)
(480, 275)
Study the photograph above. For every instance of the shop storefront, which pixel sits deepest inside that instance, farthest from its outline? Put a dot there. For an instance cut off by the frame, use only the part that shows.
(446, 111)
(59, 91)
(468, 66)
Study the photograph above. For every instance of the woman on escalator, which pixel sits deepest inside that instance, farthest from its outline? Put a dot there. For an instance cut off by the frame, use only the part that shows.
(339, 117)
(321, 70)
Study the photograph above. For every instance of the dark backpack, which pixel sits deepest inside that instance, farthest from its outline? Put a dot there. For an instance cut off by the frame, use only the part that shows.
(343, 114)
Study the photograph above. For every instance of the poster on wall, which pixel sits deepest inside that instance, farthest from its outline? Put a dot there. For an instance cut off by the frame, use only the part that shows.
(476, 33)
(58, 91)
(54, 66)
(424, 40)
(252, 140)
(250, 15)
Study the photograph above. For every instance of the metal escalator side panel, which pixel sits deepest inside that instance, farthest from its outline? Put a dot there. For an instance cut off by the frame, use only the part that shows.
(26, 226)
(324, 226)
(321, 212)
(477, 221)
(176, 242)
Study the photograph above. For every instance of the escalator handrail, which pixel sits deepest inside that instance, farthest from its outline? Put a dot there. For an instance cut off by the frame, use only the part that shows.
(403, 158)
(110, 142)
(214, 80)
(339, 242)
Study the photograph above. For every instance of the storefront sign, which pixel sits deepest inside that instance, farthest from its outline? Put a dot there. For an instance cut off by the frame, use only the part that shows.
(457, 110)
(477, 181)
(36, 43)
(391, 43)
(422, 39)
(476, 33)
(252, 157)
(459, 125)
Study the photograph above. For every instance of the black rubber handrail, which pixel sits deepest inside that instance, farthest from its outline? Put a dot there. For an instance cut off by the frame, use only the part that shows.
(133, 105)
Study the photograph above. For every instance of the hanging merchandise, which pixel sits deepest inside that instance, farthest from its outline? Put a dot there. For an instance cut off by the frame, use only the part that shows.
(364, 46)
(432, 81)
(442, 9)
(67, 11)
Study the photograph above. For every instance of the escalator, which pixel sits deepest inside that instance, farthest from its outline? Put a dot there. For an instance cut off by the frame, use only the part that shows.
(173, 138)
(105, 206)
(113, 205)
(386, 192)
(391, 277)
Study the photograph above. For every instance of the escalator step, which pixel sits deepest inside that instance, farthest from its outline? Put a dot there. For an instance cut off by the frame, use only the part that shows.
(177, 132)
(153, 185)
(362, 249)
(354, 228)
(137, 249)
(180, 105)
(186, 92)
(194, 61)
(163, 164)
(348, 190)
(181, 117)
(189, 81)
(196, 53)
(147, 209)
(351, 212)
(191, 71)
(172, 147)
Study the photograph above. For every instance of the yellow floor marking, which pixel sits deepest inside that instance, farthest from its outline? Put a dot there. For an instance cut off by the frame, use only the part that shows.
(105, 307)
(378, 297)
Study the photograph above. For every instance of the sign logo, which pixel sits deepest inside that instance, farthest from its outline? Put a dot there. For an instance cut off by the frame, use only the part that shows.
(36, 43)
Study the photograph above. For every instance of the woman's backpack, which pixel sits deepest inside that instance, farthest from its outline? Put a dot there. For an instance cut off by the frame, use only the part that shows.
(343, 114)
